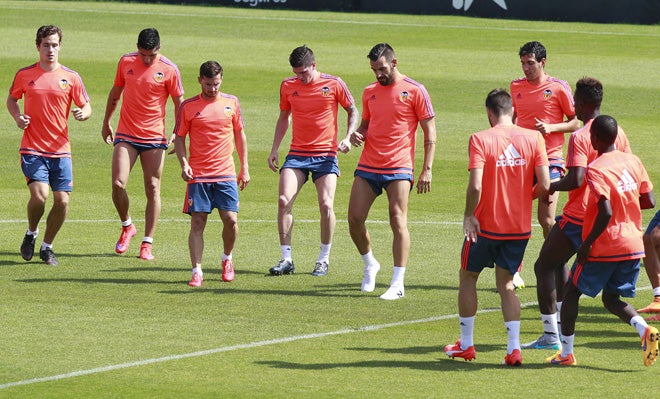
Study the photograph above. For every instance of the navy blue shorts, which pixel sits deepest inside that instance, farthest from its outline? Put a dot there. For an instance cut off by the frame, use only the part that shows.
(57, 172)
(654, 222)
(140, 146)
(486, 252)
(617, 278)
(317, 166)
(203, 197)
(378, 181)
(571, 230)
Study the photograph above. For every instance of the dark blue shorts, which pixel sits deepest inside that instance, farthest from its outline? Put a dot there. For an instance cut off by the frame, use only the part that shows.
(654, 222)
(571, 230)
(142, 146)
(378, 181)
(203, 197)
(486, 252)
(612, 277)
(317, 166)
(57, 172)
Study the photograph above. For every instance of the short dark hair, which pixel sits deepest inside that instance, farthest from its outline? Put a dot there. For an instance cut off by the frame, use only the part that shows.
(301, 56)
(605, 129)
(210, 69)
(381, 50)
(535, 48)
(590, 90)
(47, 30)
(148, 39)
(499, 102)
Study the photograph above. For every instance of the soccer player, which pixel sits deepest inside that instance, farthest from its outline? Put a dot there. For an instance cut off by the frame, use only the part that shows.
(652, 265)
(504, 161)
(393, 107)
(608, 259)
(541, 102)
(566, 235)
(214, 122)
(309, 101)
(48, 89)
(144, 81)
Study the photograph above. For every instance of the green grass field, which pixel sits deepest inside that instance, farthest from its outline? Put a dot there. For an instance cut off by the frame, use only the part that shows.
(103, 326)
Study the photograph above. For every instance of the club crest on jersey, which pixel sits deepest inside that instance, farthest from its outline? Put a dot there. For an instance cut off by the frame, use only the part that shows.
(325, 91)
(190, 201)
(159, 76)
(63, 84)
(228, 111)
(547, 93)
(403, 96)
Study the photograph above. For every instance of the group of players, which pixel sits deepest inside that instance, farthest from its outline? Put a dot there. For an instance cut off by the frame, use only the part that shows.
(515, 161)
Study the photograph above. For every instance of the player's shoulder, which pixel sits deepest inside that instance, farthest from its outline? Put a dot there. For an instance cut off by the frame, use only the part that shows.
(166, 61)
(518, 82)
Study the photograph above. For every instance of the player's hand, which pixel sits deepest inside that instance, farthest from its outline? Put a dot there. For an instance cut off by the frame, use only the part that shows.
(273, 162)
(23, 121)
(170, 145)
(471, 228)
(187, 173)
(424, 182)
(243, 179)
(542, 127)
(357, 139)
(106, 134)
(583, 254)
(344, 146)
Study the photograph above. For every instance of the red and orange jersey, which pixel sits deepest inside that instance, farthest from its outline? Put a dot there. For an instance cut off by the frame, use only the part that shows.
(146, 90)
(620, 178)
(47, 101)
(394, 112)
(211, 126)
(547, 102)
(314, 107)
(580, 154)
(508, 156)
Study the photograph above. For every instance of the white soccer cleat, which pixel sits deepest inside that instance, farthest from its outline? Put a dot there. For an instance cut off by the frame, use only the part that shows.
(518, 282)
(369, 279)
(393, 293)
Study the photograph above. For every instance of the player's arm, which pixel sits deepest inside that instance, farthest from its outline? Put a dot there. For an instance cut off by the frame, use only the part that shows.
(282, 125)
(243, 177)
(426, 175)
(182, 154)
(472, 197)
(647, 200)
(110, 106)
(352, 111)
(542, 181)
(600, 224)
(83, 113)
(360, 134)
(573, 179)
(177, 102)
(22, 120)
(571, 124)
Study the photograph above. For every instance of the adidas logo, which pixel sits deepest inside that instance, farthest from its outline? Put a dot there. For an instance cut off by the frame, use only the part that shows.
(510, 157)
(627, 183)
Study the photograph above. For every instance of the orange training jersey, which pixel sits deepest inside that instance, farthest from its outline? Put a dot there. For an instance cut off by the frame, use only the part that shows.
(314, 109)
(620, 178)
(48, 98)
(580, 154)
(547, 102)
(211, 126)
(508, 156)
(146, 90)
(393, 112)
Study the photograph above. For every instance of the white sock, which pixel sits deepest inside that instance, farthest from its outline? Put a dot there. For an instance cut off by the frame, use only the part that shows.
(397, 276)
(32, 233)
(513, 333)
(225, 256)
(286, 252)
(324, 253)
(369, 259)
(198, 270)
(127, 222)
(550, 324)
(656, 290)
(467, 331)
(559, 303)
(567, 344)
(149, 240)
(640, 325)
(45, 245)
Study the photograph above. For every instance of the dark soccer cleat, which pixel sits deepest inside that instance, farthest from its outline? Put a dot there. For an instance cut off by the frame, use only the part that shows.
(27, 247)
(282, 267)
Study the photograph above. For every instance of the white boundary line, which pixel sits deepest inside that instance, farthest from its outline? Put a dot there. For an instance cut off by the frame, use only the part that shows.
(235, 347)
